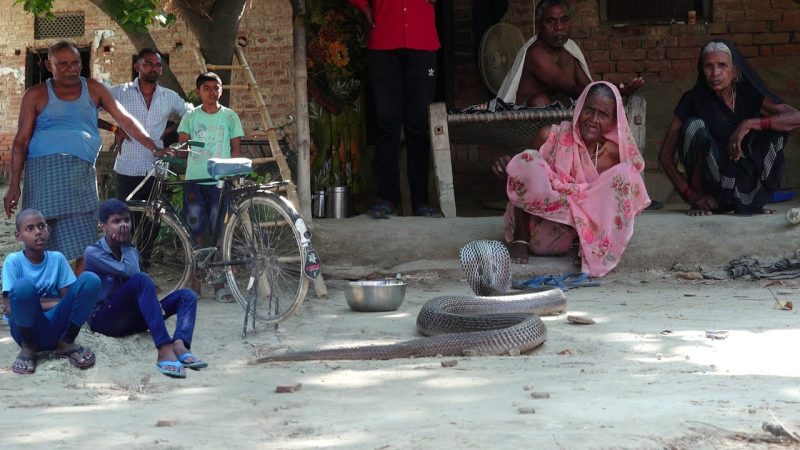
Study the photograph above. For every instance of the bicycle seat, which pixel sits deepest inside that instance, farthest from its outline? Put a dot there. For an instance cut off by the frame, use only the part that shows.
(229, 167)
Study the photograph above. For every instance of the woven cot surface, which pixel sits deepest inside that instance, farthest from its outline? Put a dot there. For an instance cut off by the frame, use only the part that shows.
(510, 130)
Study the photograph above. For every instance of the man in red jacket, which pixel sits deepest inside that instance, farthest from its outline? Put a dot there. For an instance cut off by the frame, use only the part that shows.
(401, 62)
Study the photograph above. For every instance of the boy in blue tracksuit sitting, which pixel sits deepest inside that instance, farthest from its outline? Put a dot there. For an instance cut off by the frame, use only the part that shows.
(128, 302)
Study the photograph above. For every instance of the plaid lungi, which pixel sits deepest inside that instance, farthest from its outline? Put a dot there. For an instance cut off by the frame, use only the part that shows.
(64, 189)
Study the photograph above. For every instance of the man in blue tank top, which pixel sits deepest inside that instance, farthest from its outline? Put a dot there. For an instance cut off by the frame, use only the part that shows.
(57, 143)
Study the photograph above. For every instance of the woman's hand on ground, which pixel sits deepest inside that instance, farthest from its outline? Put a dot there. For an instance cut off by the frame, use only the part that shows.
(702, 202)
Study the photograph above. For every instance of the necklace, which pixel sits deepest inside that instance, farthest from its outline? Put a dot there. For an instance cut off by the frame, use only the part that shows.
(596, 153)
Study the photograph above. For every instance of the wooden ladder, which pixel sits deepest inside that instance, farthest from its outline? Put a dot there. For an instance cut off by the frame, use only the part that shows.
(269, 129)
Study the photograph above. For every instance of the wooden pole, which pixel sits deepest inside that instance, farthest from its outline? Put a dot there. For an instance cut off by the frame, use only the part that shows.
(302, 128)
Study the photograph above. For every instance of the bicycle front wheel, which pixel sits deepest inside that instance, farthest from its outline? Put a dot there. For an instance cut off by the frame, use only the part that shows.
(164, 246)
(264, 258)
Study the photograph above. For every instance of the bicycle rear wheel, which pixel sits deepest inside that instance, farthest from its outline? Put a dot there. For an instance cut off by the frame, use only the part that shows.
(264, 258)
(163, 245)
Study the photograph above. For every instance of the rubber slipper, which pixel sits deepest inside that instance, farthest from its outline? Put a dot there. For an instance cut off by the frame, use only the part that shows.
(196, 365)
(29, 365)
(564, 282)
(535, 282)
(575, 280)
(162, 367)
(84, 353)
(381, 210)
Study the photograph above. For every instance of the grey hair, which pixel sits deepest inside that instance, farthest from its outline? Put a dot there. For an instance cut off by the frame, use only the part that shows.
(544, 4)
(61, 45)
(716, 46)
(603, 90)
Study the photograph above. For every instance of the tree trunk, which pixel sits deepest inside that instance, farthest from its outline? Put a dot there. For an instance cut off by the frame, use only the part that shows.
(216, 31)
(144, 40)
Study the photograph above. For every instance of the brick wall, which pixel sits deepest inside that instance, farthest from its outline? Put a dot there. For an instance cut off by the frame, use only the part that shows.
(266, 24)
(766, 31)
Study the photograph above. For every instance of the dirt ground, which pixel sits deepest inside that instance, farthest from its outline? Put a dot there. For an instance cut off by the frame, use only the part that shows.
(644, 376)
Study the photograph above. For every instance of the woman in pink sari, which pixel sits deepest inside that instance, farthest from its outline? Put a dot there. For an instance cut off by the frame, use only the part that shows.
(583, 183)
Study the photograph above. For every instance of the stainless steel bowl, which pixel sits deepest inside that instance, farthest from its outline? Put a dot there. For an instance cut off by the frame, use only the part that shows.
(375, 295)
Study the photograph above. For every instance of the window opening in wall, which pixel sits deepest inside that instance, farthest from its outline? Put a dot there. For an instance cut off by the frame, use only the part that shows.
(60, 26)
(654, 11)
(36, 72)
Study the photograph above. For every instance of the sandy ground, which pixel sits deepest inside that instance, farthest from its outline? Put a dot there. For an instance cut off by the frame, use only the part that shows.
(644, 376)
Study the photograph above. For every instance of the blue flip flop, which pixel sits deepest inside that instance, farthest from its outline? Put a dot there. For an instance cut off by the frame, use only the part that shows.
(163, 368)
(564, 282)
(197, 365)
(535, 282)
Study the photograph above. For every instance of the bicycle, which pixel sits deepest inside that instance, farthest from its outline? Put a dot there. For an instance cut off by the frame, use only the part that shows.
(266, 249)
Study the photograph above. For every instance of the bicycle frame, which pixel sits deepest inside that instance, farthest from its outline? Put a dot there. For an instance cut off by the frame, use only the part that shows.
(230, 195)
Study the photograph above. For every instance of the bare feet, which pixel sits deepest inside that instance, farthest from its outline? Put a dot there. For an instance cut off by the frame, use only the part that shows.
(767, 211)
(25, 363)
(698, 212)
(519, 252)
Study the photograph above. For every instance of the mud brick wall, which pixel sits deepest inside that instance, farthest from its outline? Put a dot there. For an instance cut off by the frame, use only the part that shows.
(766, 31)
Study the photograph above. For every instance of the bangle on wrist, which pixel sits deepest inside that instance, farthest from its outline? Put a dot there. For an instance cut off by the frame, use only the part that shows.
(766, 123)
(114, 128)
(687, 192)
(520, 241)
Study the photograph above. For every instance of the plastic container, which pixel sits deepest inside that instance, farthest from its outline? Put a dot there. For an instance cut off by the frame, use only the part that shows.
(337, 202)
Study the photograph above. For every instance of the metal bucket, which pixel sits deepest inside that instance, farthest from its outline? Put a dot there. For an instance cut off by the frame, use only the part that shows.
(318, 204)
(338, 202)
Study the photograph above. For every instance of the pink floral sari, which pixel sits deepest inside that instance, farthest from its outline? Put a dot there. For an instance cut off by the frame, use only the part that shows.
(560, 187)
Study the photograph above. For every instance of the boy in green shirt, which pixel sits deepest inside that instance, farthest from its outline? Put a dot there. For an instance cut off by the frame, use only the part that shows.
(220, 129)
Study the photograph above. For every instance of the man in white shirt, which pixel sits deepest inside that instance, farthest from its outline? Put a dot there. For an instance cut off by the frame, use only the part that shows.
(152, 105)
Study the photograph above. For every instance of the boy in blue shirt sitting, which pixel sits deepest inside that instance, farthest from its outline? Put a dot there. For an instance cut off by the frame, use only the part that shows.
(45, 304)
(128, 301)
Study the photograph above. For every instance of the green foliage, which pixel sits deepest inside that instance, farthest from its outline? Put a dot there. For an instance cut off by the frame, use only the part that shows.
(37, 7)
(261, 178)
(192, 98)
(137, 15)
(131, 15)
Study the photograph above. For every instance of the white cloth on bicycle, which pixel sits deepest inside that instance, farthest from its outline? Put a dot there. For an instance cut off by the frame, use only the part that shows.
(135, 159)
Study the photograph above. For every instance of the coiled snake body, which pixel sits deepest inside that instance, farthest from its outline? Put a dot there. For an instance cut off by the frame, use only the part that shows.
(458, 325)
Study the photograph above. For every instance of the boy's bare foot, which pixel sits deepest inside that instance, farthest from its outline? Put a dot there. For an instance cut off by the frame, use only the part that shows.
(25, 363)
(767, 211)
(519, 252)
